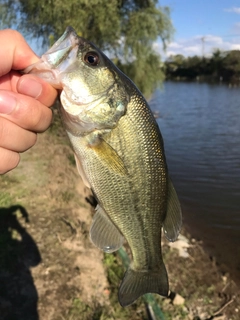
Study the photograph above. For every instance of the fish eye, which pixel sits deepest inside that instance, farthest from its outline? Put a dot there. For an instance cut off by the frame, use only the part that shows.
(92, 58)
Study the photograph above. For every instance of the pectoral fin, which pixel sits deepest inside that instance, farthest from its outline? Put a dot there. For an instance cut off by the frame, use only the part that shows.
(110, 157)
(81, 172)
(103, 232)
(173, 221)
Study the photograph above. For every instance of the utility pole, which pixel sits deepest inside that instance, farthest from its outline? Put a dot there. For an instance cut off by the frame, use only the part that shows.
(203, 44)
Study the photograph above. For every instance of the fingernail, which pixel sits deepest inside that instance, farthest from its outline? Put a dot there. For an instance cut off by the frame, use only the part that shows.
(7, 103)
(29, 87)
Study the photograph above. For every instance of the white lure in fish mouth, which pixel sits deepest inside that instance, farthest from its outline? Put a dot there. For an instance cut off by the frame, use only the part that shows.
(57, 59)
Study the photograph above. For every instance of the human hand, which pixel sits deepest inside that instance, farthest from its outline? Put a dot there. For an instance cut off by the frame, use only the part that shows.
(24, 100)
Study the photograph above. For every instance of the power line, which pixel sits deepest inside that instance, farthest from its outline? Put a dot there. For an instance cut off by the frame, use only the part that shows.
(231, 36)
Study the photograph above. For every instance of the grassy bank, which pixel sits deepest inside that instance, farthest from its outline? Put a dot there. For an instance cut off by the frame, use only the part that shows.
(49, 269)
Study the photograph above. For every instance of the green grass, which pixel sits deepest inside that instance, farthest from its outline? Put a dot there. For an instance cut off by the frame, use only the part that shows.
(115, 272)
(6, 199)
(67, 196)
(71, 159)
(83, 311)
(112, 310)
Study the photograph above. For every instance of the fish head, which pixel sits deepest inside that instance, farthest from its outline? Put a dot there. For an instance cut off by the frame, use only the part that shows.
(94, 94)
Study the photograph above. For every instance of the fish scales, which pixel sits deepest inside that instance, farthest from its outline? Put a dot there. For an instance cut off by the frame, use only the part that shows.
(138, 200)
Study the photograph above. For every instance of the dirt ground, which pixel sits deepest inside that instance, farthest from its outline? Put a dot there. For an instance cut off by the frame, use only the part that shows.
(49, 269)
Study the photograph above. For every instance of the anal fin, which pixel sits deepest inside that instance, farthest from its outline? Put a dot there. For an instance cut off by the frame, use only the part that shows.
(103, 232)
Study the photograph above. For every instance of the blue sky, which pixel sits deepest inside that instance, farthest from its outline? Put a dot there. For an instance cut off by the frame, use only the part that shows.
(203, 25)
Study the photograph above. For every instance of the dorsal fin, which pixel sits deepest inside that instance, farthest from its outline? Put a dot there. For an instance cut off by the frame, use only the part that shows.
(173, 221)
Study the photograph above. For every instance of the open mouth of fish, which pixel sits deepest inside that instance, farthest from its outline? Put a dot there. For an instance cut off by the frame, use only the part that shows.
(57, 59)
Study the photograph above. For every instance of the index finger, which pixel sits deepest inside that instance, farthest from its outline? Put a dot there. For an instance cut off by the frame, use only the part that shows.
(15, 52)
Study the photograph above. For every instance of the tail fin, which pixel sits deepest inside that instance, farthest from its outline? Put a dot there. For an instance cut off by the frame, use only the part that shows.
(137, 283)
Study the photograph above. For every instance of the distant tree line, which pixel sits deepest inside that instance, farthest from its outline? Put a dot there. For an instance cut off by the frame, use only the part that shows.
(221, 66)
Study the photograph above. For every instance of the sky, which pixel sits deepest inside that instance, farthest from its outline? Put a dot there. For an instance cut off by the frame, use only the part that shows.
(202, 26)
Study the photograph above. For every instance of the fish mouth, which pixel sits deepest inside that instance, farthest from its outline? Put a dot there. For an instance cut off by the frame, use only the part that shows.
(56, 59)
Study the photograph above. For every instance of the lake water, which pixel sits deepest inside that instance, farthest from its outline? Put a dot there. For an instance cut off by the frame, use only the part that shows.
(200, 124)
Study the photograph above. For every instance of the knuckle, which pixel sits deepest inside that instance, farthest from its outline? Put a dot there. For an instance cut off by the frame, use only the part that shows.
(14, 138)
(4, 130)
(33, 140)
(29, 114)
(13, 33)
(9, 160)
(38, 118)
(34, 117)
(28, 141)
(44, 120)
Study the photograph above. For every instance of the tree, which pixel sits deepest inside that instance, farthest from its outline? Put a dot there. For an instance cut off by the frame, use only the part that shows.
(7, 16)
(216, 62)
(231, 65)
(173, 65)
(126, 29)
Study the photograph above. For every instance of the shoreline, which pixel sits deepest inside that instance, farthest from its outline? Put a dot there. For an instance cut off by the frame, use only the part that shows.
(216, 243)
(207, 290)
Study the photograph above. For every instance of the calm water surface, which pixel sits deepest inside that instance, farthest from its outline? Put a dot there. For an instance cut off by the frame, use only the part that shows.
(200, 124)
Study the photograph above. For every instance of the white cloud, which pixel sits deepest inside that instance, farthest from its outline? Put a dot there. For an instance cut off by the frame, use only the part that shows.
(174, 45)
(234, 47)
(213, 39)
(233, 9)
(191, 50)
(198, 45)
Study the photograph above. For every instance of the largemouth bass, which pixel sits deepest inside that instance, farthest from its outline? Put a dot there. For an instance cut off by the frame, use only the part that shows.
(120, 156)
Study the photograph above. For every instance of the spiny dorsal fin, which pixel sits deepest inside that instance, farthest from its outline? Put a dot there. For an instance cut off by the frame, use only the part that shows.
(103, 232)
(173, 221)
